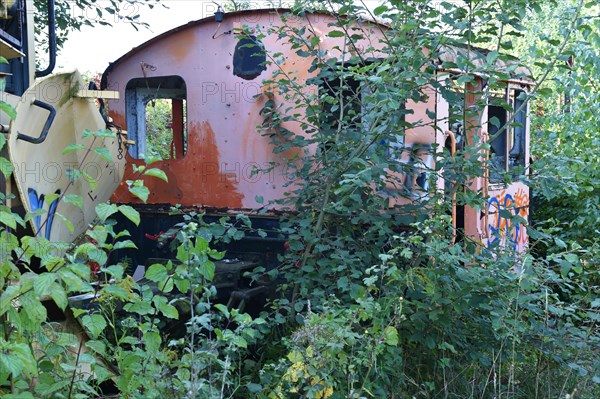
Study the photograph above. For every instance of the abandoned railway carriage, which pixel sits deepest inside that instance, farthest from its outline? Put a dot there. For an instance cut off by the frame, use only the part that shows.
(211, 73)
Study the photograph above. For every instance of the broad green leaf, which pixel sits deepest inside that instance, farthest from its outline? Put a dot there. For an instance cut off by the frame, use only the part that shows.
(152, 340)
(105, 133)
(183, 285)
(73, 147)
(140, 192)
(104, 211)
(101, 373)
(223, 309)
(52, 263)
(74, 199)
(239, 341)
(98, 234)
(58, 294)
(336, 33)
(207, 269)
(166, 286)
(151, 158)
(6, 167)
(572, 258)
(201, 245)
(50, 198)
(295, 356)
(137, 169)
(43, 283)
(17, 358)
(155, 172)
(140, 307)
(10, 293)
(8, 219)
(33, 308)
(94, 324)
(104, 153)
(254, 389)
(97, 346)
(130, 213)
(85, 249)
(380, 10)
(98, 256)
(169, 311)
(491, 57)
(91, 181)
(8, 109)
(115, 271)
(183, 254)
(157, 273)
(116, 291)
(124, 244)
(73, 282)
(87, 133)
(390, 335)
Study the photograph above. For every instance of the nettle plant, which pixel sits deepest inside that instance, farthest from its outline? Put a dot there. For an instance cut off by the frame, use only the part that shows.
(42, 355)
(166, 334)
(159, 336)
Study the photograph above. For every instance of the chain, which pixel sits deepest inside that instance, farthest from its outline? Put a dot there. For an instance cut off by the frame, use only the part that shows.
(120, 141)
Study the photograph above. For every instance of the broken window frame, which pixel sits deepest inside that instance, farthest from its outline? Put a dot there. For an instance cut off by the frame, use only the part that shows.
(507, 148)
(138, 93)
(417, 160)
(357, 91)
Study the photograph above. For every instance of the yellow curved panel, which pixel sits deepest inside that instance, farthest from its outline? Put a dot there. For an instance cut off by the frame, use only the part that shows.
(42, 169)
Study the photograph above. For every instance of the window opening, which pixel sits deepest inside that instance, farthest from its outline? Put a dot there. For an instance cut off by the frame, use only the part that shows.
(507, 145)
(421, 164)
(517, 150)
(249, 58)
(354, 100)
(497, 121)
(343, 95)
(453, 92)
(157, 117)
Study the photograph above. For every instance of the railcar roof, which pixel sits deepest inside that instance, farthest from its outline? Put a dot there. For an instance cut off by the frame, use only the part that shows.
(448, 53)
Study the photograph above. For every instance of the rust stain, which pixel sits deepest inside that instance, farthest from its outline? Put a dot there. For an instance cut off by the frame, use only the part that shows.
(118, 119)
(194, 180)
(180, 46)
(217, 188)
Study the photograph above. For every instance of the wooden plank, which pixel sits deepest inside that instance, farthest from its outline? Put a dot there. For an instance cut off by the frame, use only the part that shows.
(104, 94)
(9, 52)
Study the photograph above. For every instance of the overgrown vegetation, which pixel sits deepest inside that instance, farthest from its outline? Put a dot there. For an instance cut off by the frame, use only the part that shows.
(159, 125)
(364, 308)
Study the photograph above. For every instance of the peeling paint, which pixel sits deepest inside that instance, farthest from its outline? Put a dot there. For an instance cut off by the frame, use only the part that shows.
(199, 179)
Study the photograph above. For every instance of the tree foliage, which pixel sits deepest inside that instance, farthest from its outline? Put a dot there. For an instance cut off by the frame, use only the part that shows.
(73, 15)
(565, 140)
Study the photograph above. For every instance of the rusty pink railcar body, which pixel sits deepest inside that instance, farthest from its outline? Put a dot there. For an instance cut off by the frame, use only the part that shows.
(217, 93)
